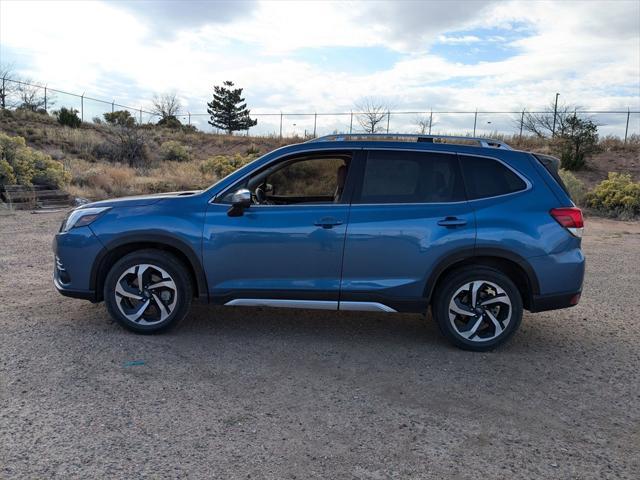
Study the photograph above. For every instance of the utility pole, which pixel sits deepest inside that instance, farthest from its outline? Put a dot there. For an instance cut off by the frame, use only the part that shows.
(430, 121)
(351, 124)
(521, 123)
(555, 113)
(388, 120)
(281, 125)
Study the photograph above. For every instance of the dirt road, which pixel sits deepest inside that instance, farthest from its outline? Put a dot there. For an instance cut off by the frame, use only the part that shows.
(242, 393)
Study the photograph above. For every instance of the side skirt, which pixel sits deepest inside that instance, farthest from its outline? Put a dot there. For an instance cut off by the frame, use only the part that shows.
(310, 304)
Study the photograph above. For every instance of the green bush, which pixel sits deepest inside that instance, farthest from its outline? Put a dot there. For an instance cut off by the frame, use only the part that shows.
(222, 165)
(68, 117)
(576, 187)
(25, 166)
(121, 118)
(175, 151)
(618, 196)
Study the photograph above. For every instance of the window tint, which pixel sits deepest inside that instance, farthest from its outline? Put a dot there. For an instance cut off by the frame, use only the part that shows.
(485, 177)
(307, 178)
(411, 177)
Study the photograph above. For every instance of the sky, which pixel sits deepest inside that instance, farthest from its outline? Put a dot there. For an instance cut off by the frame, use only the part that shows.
(326, 57)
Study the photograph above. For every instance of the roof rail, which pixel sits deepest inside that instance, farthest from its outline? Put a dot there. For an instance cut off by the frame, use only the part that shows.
(404, 137)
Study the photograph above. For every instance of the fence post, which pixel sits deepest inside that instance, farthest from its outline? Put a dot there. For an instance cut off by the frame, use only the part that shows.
(112, 104)
(388, 119)
(430, 121)
(351, 124)
(521, 123)
(82, 107)
(626, 129)
(475, 121)
(281, 125)
(555, 114)
(315, 123)
(4, 94)
(140, 117)
(190, 122)
(45, 99)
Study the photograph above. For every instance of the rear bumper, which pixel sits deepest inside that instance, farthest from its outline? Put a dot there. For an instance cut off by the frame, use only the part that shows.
(541, 303)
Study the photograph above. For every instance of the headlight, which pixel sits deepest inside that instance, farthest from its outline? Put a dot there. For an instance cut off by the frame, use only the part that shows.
(82, 217)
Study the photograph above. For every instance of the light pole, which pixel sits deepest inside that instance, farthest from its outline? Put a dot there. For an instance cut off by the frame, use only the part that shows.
(555, 113)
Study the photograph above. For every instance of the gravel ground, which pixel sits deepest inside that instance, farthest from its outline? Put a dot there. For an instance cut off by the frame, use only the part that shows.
(259, 393)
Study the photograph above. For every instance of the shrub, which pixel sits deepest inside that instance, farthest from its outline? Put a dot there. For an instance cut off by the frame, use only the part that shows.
(68, 117)
(222, 165)
(121, 118)
(618, 195)
(579, 137)
(25, 166)
(574, 185)
(128, 145)
(174, 151)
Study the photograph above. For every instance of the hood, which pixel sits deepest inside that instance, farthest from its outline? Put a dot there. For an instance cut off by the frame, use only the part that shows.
(140, 200)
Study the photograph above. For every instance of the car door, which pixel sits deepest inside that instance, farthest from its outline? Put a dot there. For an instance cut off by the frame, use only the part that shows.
(408, 213)
(286, 249)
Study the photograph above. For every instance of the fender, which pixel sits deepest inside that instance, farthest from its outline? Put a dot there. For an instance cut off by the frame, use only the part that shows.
(153, 238)
(470, 253)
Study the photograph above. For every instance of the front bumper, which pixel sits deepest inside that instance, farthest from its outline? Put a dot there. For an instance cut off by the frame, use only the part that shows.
(75, 254)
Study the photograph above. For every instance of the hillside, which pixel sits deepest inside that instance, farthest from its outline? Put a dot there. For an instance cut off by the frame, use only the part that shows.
(183, 159)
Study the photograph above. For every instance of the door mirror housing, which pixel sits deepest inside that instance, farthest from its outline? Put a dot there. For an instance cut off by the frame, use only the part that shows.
(240, 200)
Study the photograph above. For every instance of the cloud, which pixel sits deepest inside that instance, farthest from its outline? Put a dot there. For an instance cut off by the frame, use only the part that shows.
(450, 39)
(165, 17)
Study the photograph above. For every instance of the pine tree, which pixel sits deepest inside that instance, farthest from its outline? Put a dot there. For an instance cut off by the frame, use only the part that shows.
(228, 110)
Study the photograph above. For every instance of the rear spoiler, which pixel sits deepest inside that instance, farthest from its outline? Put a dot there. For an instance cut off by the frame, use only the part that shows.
(552, 165)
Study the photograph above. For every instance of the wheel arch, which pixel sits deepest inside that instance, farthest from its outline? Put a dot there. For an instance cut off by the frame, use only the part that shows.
(512, 265)
(123, 246)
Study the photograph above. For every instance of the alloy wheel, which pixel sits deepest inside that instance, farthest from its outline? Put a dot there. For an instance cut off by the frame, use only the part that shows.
(479, 311)
(146, 294)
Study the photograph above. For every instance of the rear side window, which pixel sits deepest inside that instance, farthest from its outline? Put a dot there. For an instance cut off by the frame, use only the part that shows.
(485, 177)
(411, 177)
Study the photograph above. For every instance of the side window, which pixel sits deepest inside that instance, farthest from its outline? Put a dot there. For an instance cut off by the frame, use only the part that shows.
(296, 180)
(307, 178)
(485, 177)
(411, 177)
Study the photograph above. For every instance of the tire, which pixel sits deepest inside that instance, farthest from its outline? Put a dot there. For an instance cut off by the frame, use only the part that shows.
(167, 301)
(485, 324)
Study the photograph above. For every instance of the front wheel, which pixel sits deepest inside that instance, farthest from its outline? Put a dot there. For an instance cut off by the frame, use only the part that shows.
(478, 308)
(148, 291)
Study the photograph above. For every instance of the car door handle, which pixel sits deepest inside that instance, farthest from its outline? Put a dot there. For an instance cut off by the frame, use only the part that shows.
(327, 222)
(452, 222)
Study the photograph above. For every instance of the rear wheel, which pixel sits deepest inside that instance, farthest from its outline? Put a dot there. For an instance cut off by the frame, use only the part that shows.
(148, 291)
(478, 308)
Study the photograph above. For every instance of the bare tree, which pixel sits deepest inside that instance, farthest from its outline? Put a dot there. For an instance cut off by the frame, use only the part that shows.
(166, 105)
(543, 124)
(32, 97)
(371, 114)
(7, 87)
(424, 123)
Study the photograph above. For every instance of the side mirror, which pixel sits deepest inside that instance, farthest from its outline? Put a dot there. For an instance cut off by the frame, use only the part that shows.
(240, 200)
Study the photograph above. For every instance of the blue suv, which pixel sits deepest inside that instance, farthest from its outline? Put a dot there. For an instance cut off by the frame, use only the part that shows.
(468, 227)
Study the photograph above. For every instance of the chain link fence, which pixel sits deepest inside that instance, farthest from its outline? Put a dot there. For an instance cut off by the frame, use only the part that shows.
(620, 123)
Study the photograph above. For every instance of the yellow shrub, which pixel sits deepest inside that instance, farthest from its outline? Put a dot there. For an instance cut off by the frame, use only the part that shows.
(618, 195)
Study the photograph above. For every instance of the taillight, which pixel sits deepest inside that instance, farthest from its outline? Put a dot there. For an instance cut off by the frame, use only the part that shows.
(570, 218)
